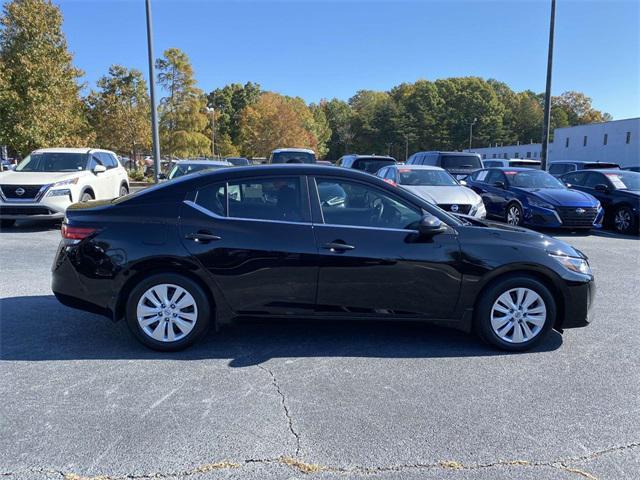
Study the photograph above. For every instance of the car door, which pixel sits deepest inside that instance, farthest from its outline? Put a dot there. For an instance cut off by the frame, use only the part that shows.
(254, 237)
(591, 181)
(99, 182)
(112, 175)
(483, 183)
(371, 262)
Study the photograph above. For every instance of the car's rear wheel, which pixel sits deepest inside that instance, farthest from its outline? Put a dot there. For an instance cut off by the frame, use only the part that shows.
(86, 196)
(167, 312)
(124, 190)
(7, 222)
(515, 313)
(624, 220)
(514, 214)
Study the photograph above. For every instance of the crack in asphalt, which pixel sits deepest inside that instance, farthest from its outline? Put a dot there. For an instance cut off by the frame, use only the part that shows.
(285, 407)
(311, 468)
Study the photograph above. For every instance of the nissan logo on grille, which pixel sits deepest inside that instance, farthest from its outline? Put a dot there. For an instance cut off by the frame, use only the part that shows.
(20, 191)
(580, 211)
(454, 208)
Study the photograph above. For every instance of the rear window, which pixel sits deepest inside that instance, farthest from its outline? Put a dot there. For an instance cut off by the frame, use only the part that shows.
(460, 162)
(372, 165)
(593, 166)
(293, 157)
(535, 165)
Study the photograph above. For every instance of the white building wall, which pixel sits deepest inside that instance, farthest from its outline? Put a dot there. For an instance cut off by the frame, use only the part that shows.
(622, 144)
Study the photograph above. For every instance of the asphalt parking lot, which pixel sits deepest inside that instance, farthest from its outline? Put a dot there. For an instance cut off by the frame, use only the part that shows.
(81, 398)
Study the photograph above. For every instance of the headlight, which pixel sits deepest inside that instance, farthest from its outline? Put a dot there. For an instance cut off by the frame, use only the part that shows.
(536, 202)
(59, 192)
(575, 264)
(71, 181)
(478, 206)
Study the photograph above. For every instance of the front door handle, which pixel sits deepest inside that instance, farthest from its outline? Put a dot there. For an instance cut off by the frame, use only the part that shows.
(337, 247)
(202, 237)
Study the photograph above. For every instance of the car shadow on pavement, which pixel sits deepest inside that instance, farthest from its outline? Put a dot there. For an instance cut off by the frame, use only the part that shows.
(38, 328)
(29, 226)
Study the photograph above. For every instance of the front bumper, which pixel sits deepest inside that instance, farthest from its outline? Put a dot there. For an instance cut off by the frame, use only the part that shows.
(548, 218)
(578, 303)
(47, 208)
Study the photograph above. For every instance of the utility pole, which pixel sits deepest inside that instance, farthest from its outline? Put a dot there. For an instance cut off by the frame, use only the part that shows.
(152, 90)
(547, 95)
(471, 131)
(212, 111)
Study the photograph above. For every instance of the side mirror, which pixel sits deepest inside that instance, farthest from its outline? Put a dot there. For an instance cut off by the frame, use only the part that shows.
(431, 225)
(601, 187)
(99, 169)
(463, 183)
(568, 184)
(499, 185)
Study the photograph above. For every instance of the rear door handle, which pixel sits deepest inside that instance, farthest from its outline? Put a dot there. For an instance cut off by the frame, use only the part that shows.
(337, 247)
(202, 237)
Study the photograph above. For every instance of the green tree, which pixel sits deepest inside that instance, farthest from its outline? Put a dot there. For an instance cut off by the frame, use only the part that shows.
(321, 129)
(119, 112)
(339, 116)
(229, 102)
(40, 104)
(578, 109)
(183, 116)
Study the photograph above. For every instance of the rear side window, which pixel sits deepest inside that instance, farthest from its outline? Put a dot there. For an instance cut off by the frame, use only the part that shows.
(560, 168)
(273, 198)
(460, 161)
(213, 198)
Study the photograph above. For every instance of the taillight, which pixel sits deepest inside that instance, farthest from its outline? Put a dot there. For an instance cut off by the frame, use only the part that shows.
(390, 182)
(76, 233)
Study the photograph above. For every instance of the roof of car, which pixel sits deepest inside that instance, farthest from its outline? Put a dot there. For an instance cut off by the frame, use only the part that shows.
(616, 171)
(451, 153)
(418, 167)
(373, 155)
(220, 163)
(513, 169)
(580, 162)
(70, 150)
(300, 150)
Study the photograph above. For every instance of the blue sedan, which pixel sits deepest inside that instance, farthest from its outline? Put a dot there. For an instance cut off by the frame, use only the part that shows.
(521, 196)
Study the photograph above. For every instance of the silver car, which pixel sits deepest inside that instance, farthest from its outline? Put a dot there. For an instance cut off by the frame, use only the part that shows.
(437, 186)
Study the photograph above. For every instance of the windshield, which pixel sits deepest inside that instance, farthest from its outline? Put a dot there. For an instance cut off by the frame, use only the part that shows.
(372, 165)
(186, 168)
(460, 161)
(533, 179)
(436, 178)
(293, 157)
(625, 180)
(53, 162)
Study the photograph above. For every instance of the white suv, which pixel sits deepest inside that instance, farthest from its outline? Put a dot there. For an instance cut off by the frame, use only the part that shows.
(48, 180)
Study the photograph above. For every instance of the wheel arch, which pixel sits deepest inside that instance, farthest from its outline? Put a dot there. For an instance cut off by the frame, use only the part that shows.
(87, 189)
(548, 278)
(162, 265)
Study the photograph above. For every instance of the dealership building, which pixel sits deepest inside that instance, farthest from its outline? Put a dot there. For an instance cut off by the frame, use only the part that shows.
(616, 141)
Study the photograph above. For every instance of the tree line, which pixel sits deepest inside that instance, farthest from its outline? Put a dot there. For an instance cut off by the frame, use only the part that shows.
(42, 105)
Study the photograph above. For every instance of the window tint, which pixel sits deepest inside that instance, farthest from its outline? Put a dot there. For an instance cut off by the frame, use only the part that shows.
(494, 176)
(576, 178)
(213, 198)
(95, 160)
(594, 179)
(356, 204)
(108, 160)
(267, 199)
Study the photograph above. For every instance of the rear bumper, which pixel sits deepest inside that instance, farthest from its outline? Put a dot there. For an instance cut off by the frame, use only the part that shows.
(578, 303)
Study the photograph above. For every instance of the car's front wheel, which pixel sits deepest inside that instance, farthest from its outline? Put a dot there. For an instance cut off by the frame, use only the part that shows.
(624, 220)
(124, 190)
(515, 313)
(167, 312)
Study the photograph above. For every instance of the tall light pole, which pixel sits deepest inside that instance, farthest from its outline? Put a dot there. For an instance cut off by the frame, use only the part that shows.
(406, 148)
(212, 111)
(547, 95)
(152, 90)
(471, 131)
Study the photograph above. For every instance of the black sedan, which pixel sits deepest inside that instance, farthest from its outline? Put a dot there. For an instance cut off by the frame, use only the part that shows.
(617, 190)
(311, 241)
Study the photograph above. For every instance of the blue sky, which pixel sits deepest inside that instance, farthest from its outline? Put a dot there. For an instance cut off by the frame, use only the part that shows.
(325, 49)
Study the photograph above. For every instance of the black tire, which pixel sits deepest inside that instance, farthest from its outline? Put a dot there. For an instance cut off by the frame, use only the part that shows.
(86, 196)
(203, 311)
(124, 190)
(484, 307)
(516, 208)
(624, 221)
(7, 223)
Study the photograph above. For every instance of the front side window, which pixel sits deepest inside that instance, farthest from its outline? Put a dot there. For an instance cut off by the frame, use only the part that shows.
(594, 179)
(273, 198)
(53, 162)
(576, 178)
(364, 206)
(534, 179)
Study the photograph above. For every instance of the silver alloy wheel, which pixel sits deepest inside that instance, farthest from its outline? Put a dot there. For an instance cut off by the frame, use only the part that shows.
(622, 220)
(513, 215)
(518, 315)
(167, 312)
